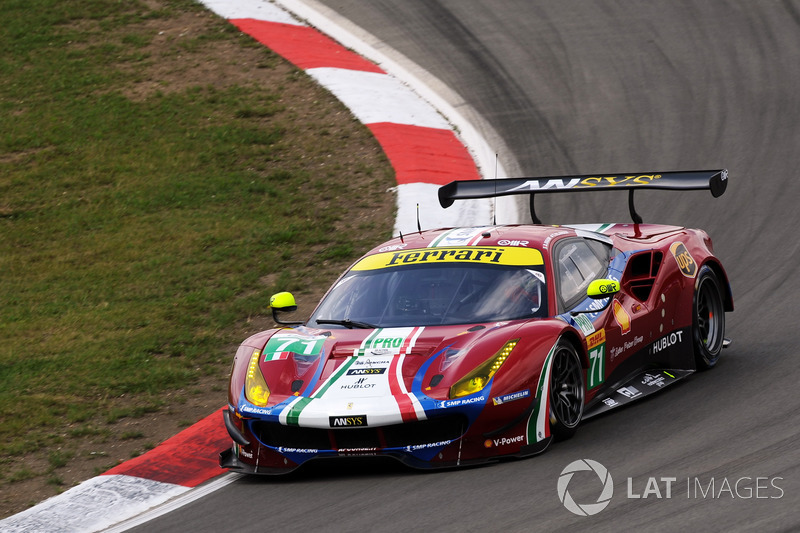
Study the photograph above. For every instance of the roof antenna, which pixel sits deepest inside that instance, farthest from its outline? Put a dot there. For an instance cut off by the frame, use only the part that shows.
(401, 236)
(419, 228)
(494, 198)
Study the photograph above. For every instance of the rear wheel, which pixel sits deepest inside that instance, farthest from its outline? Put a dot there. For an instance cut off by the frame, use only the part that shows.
(566, 391)
(708, 327)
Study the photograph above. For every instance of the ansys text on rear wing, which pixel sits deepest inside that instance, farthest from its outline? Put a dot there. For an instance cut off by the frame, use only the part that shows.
(714, 180)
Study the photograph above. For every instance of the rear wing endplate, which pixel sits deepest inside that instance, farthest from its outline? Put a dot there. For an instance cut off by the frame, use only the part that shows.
(714, 180)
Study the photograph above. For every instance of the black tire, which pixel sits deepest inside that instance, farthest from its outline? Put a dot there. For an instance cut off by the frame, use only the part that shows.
(566, 391)
(708, 319)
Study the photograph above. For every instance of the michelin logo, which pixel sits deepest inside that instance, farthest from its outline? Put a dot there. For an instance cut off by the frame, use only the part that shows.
(511, 397)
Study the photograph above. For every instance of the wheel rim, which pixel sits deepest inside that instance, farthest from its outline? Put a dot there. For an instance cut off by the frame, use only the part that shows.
(709, 316)
(566, 393)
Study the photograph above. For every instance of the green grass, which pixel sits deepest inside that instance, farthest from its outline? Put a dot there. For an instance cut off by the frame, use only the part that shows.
(138, 226)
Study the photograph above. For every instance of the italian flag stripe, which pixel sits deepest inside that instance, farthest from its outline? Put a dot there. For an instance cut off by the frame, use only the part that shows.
(539, 423)
(476, 240)
(332, 379)
(604, 227)
(397, 386)
(367, 342)
(439, 239)
(294, 409)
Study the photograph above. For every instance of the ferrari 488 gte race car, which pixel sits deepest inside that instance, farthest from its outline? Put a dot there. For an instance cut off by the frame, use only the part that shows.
(456, 346)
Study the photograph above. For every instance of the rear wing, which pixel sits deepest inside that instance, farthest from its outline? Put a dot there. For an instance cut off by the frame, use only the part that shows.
(714, 180)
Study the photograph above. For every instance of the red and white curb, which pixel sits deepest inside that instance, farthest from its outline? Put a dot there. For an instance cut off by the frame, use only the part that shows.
(166, 472)
(425, 152)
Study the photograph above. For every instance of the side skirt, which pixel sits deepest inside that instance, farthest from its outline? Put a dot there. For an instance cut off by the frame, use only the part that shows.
(638, 386)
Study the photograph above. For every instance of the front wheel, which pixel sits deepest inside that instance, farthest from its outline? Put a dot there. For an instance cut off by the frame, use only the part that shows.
(566, 391)
(708, 322)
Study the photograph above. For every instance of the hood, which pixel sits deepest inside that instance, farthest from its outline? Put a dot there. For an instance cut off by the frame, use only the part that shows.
(342, 377)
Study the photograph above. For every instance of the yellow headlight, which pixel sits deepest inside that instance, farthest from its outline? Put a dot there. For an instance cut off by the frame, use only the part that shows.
(479, 378)
(255, 387)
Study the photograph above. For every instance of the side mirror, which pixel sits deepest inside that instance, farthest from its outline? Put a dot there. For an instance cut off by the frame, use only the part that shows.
(598, 290)
(602, 288)
(283, 302)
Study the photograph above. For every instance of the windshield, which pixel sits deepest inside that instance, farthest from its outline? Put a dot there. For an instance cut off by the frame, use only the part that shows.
(434, 294)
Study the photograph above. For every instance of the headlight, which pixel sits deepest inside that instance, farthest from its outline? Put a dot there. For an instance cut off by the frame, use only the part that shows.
(255, 387)
(479, 378)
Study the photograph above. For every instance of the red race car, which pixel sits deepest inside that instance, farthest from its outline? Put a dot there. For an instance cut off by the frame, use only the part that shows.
(456, 346)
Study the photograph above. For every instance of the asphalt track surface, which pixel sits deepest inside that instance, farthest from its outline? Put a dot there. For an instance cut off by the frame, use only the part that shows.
(583, 87)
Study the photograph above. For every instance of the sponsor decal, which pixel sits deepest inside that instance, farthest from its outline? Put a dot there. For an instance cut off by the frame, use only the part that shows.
(596, 339)
(357, 451)
(365, 371)
(243, 452)
(609, 288)
(667, 341)
(500, 400)
(348, 421)
(393, 247)
(584, 324)
(281, 345)
(596, 344)
(504, 441)
(506, 242)
(367, 361)
(616, 351)
(552, 236)
(361, 383)
(622, 317)
(491, 255)
(253, 410)
(588, 182)
(654, 380)
(461, 401)
(630, 391)
(281, 449)
(388, 341)
(460, 237)
(611, 402)
(416, 447)
(684, 259)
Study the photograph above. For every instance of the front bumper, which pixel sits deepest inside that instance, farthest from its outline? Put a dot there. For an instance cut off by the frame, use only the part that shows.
(451, 440)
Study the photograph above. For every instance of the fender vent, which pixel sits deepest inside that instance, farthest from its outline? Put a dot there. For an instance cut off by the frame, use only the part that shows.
(641, 272)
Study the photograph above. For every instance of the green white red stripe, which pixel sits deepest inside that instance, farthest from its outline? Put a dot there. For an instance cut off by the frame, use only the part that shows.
(539, 423)
(370, 382)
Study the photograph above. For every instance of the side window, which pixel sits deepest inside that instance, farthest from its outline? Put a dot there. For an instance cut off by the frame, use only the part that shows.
(578, 263)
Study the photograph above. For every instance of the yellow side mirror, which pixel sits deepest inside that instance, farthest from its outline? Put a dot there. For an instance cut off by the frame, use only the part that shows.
(283, 301)
(602, 288)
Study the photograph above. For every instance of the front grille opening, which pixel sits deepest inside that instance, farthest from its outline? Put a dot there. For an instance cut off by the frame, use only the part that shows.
(355, 438)
(275, 435)
(439, 429)
(425, 431)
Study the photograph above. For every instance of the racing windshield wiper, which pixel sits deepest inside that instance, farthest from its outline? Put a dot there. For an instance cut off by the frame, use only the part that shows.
(349, 324)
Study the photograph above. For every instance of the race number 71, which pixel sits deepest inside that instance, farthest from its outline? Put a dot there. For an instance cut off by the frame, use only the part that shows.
(597, 360)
